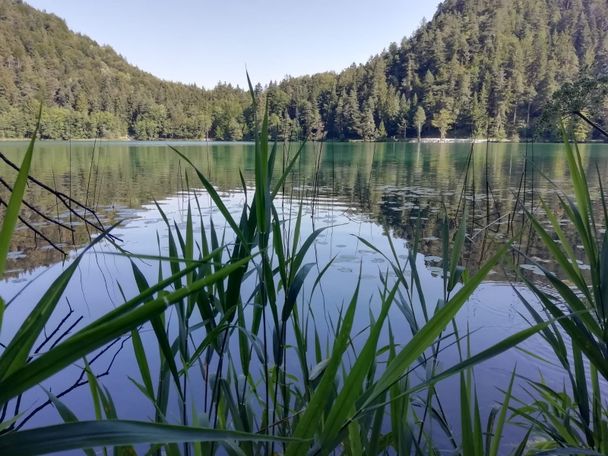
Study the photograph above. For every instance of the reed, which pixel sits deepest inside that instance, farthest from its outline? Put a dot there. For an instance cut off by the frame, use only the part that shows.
(244, 368)
(576, 307)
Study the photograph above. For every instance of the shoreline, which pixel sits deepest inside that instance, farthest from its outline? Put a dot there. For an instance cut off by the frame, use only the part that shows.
(349, 141)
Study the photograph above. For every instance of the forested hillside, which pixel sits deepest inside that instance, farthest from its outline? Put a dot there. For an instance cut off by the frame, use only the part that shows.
(90, 90)
(483, 68)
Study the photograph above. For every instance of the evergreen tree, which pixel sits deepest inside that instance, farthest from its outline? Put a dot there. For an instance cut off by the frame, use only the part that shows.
(480, 67)
(419, 120)
(443, 121)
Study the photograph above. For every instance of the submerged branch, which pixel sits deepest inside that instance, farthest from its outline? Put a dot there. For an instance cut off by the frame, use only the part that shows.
(36, 231)
(65, 199)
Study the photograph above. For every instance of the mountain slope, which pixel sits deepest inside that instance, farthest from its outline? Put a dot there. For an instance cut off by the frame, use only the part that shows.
(478, 68)
(88, 90)
(493, 64)
(483, 68)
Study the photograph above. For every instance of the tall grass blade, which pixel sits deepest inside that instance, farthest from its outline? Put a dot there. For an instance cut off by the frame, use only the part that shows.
(344, 404)
(97, 335)
(422, 340)
(18, 350)
(67, 415)
(142, 363)
(217, 200)
(308, 424)
(90, 434)
(500, 424)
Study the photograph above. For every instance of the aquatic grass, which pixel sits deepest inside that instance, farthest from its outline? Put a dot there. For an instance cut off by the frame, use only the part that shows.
(21, 370)
(89, 434)
(228, 319)
(94, 336)
(279, 275)
(226, 301)
(11, 213)
(576, 304)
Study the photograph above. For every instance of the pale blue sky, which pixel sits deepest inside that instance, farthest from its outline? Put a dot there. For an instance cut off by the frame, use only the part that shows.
(203, 41)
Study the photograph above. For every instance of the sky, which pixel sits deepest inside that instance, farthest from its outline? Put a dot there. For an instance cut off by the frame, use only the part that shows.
(206, 42)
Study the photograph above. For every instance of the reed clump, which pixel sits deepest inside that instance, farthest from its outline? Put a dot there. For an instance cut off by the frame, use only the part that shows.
(244, 368)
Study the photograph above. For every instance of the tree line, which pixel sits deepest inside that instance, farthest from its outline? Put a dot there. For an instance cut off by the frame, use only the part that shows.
(479, 68)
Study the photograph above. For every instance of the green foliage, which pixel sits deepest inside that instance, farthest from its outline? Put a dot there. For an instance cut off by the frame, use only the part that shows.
(419, 120)
(274, 403)
(257, 403)
(261, 404)
(87, 434)
(580, 105)
(443, 121)
(478, 68)
(576, 304)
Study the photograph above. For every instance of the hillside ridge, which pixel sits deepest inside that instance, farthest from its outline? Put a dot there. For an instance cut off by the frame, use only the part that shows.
(478, 68)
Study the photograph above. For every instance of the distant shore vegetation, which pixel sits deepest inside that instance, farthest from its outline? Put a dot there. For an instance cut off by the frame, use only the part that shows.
(476, 70)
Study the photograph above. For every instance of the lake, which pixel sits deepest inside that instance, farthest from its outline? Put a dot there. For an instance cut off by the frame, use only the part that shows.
(356, 191)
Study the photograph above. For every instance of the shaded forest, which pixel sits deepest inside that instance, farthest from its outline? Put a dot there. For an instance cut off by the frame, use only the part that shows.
(479, 68)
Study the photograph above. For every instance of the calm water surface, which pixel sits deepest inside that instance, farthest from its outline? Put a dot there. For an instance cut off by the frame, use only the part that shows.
(355, 190)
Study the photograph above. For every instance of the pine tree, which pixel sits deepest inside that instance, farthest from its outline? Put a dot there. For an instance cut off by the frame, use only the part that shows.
(419, 120)
(443, 121)
(491, 65)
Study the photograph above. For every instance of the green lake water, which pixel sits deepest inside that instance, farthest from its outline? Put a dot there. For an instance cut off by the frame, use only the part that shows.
(400, 186)
(360, 190)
